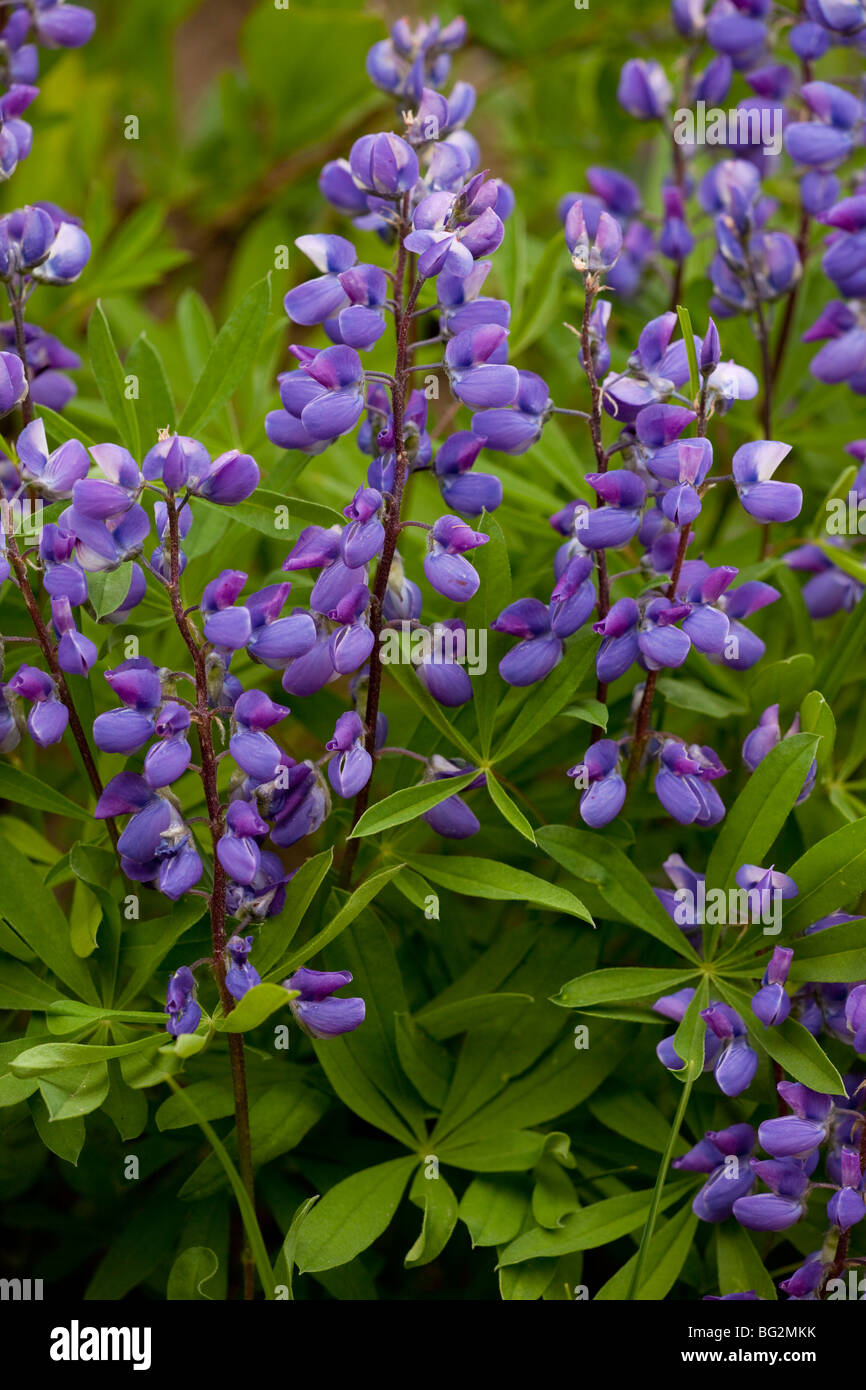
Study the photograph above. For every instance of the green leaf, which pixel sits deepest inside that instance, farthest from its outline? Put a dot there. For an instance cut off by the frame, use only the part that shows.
(550, 696)
(111, 379)
(65, 1138)
(446, 1020)
(75, 1091)
(409, 803)
(542, 296)
(668, 1251)
(790, 1044)
(739, 1265)
(439, 1205)
(193, 1267)
(33, 911)
(352, 1215)
(512, 813)
(231, 356)
(816, 717)
(830, 875)
(596, 1225)
(285, 1264)
(155, 405)
(352, 908)
(692, 695)
(516, 1152)
(493, 1209)
(687, 331)
(257, 1004)
(596, 860)
(842, 654)
(837, 954)
(406, 677)
(50, 1057)
(25, 790)
(620, 983)
(108, 588)
(278, 932)
(759, 812)
(590, 711)
(485, 878)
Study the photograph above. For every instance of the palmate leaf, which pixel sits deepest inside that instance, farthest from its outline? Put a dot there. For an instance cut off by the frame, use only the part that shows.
(830, 875)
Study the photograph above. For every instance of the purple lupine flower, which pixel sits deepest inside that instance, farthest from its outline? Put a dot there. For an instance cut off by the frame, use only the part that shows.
(684, 780)
(855, 1016)
(514, 429)
(156, 845)
(438, 666)
(737, 1062)
(253, 749)
(444, 564)
(184, 1012)
(227, 625)
(316, 1009)
(75, 652)
(136, 683)
(784, 1205)
(804, 1282)
(295, 801)
(618, 520)
(724, 1154)
(451, 818)
(161, 557)
(539, 650)
(352, 642)
(350, 770)
(830, 589)
(240, 975)
(745, 648)
(274, 641)
(681, 904)
(336, 400)
(364, 537)
(476, 378)
(52, 474)
(48, 716)
(264, 897)
(238, 848)
(675, 240)
(848, 1206)
(762, 886)
(700, 587)
(771, 1004)
(644, 90)
(764, 738)
(600, 778)
(451, 234)
(660, 642)
(763, 498)
(383, 165)
(805, 1130)
(573, 597)
(619, 649)
(461, 487)
(594, 244)
(319, 299)
(168, 758)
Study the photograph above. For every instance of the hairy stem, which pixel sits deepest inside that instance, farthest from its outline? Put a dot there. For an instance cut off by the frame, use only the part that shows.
(603, 605)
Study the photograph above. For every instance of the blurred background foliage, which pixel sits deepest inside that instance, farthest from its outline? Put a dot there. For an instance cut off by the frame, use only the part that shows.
(234, 105)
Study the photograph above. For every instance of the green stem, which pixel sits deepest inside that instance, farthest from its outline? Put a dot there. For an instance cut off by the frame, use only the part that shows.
(660, 1181)
(248, 1215)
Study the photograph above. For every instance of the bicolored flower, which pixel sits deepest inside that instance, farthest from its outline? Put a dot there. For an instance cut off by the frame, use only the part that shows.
(737, 1062)
(724, 1154)
(445, 565)
(478, 370)
(48, 716)
(771, 1004)
(684, 781)
(252, 749)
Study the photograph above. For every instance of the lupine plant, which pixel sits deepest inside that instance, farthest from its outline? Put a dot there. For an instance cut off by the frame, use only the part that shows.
(485, 533)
